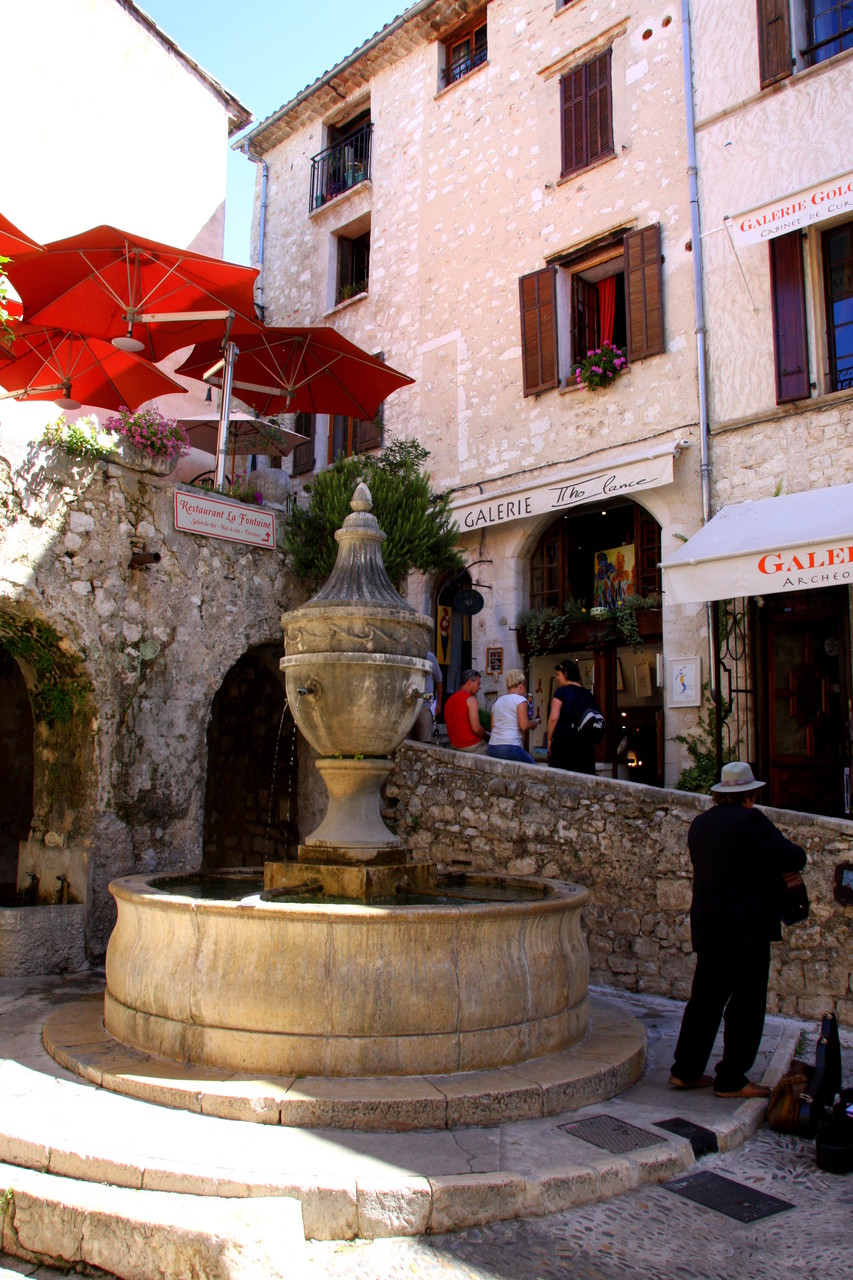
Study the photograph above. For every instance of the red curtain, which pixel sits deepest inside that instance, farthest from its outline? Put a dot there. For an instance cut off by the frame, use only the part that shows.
(606, 307)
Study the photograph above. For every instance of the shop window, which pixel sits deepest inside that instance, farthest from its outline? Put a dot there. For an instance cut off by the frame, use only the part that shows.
(794, 34)
(564, 564)
(587, 114)
(465, 49)
(302, 457)
(353, 266)
(833, 299)
(608, 292)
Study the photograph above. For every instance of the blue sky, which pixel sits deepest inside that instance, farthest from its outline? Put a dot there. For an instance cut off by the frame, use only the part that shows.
(264, 52)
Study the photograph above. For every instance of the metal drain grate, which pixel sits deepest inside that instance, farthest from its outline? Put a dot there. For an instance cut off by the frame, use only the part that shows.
(702, 1140)
(612, 1134)
(745, 1204)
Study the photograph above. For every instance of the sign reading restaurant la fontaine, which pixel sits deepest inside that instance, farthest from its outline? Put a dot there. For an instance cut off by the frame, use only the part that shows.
(213, 516)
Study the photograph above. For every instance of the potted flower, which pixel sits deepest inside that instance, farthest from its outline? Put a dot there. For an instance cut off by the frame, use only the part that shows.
(601, 366)
(147, 441)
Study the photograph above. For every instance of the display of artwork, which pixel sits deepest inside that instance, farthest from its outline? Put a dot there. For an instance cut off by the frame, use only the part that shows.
(615, 577)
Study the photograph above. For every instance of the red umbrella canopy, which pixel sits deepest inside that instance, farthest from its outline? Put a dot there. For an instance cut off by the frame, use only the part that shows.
(311, 370)
(145, 296)
(50, 364)
(14, 243)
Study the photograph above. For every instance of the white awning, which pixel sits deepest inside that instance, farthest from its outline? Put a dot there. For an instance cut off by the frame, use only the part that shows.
(792, 543)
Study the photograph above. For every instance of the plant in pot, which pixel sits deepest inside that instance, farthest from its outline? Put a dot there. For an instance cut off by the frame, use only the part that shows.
(600, 367)
(147, 440)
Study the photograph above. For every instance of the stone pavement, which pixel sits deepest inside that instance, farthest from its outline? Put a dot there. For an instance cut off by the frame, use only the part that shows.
(645, 1233)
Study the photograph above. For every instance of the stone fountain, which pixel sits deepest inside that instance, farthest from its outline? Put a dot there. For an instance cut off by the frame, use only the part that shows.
(355, 960)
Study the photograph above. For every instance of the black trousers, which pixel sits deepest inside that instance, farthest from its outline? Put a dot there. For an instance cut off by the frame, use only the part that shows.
(729, 985)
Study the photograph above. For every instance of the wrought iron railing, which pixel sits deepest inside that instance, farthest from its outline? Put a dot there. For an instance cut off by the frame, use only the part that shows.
(840, 376)
(462, 65)
(341, 167)
(830, 35)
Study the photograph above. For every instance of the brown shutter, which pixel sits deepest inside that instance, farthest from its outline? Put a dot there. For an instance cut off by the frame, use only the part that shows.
(644, 292)
(599, 121)
(790, 342)
(367, 435)
(302, 457)
(774, 41)
(537, 298)
(573, 95)
(587, 327)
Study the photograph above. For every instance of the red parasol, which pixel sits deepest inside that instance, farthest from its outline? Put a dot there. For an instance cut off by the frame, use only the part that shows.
(139, 294)
(15, 243)
(71, 369)
(310, 370)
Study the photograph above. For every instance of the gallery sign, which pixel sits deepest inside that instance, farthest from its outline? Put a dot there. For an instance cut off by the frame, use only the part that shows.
(212, 516)
(793, 212)
(561, 495)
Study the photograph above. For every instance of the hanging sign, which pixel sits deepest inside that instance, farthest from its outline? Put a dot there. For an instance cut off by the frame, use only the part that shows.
(212, 516)
(793, 212)
(468, 601)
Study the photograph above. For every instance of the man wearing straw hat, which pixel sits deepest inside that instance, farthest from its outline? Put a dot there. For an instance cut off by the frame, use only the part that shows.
(738, 857)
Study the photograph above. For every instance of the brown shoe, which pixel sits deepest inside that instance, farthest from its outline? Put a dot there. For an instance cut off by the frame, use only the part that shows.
(749, 1090)
(701, 1082)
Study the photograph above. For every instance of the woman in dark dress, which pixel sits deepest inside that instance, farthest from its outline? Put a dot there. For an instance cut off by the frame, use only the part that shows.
(568, 747)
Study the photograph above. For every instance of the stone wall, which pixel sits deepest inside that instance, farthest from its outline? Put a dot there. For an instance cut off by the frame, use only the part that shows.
(627, 843)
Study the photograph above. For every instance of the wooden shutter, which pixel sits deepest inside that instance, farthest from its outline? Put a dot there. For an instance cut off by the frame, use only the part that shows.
(587, 328)
(790, 341)
(644, 292)
(573, 94)
(367, 435)
(598, 112)
(302, 457)
(538, 304)
(774, 41)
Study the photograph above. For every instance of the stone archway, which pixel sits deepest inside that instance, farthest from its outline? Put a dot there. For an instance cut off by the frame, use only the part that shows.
(17, 769)
(251, 794)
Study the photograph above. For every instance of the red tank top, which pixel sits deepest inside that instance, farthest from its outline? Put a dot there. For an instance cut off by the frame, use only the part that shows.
(459, 729)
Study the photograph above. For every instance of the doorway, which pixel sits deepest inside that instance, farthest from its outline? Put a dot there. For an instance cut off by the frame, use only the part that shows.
(806, 655)
(16, 773)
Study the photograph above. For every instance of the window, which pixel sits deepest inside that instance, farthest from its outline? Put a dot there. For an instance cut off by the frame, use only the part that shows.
(562, 567)
(794, 34)
(587, 116)
(610, 291)
(345, 162)
(465, 49)
(353, 266)
(348, 436)
(302, 457)
(833, 298)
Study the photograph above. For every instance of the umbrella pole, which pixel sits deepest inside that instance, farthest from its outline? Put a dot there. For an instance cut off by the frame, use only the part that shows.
(224, 414)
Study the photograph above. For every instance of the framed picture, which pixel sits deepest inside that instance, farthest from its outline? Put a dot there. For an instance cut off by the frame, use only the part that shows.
(586, 666)
(614, 577)
(684, 681)
(643, 680)
(494, 661)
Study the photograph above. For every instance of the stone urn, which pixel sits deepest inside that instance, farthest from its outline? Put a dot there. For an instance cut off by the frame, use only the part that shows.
(355, 671)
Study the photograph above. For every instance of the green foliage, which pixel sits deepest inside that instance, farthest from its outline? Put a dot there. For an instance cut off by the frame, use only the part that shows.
(6, 332)
(82, 439)
(545, 630)
(702, 749)
(485, 718)
(419, 526)
(57, 691)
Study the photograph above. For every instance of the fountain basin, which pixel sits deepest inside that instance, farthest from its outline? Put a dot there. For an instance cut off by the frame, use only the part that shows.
(349, 989)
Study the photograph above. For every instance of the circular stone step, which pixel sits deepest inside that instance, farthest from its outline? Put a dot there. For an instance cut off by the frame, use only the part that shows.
(610, 1058)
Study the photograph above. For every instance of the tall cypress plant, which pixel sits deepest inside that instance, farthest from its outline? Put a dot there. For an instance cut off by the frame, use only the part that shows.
(418, 523)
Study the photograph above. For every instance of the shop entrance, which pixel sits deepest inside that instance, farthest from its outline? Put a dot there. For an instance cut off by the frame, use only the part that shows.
(805, 651)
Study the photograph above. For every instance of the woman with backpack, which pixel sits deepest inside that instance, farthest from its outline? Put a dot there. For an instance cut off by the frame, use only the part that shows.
(575, 723)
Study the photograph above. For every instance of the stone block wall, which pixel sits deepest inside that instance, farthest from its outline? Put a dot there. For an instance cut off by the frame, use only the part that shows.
(627, 844)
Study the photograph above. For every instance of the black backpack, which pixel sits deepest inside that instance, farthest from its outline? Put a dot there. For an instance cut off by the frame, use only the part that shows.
(591, 724)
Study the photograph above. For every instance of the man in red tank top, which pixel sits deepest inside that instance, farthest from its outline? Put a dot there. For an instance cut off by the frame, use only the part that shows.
(462, 716)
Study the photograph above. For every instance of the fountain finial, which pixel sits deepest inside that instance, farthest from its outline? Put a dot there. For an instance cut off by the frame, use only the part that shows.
(361, 499)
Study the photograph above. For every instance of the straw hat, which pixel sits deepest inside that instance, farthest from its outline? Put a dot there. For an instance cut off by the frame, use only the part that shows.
(737, 776)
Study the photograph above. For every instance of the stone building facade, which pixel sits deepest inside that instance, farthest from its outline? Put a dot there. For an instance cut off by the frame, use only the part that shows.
(483, 193)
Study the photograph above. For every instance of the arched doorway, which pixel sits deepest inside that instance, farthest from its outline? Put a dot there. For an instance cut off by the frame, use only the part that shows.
(250, 799)
(595, 597)
(16, 772)
(453, 647)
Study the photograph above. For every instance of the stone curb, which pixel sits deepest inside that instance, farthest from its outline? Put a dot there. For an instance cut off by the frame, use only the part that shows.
(609, 1059)
(139, 1234)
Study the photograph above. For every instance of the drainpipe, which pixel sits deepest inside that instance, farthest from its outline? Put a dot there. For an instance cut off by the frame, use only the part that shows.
(701, 366)
(262, 222)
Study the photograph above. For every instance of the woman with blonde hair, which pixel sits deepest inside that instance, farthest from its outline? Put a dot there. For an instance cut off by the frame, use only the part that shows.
(510, 719)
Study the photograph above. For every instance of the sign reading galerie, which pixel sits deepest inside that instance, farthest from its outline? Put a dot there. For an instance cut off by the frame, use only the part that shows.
(794, 212)
(213, 516)
(612, 482)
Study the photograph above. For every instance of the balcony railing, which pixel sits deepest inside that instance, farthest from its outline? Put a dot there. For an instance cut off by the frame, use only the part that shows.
(341, 166)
